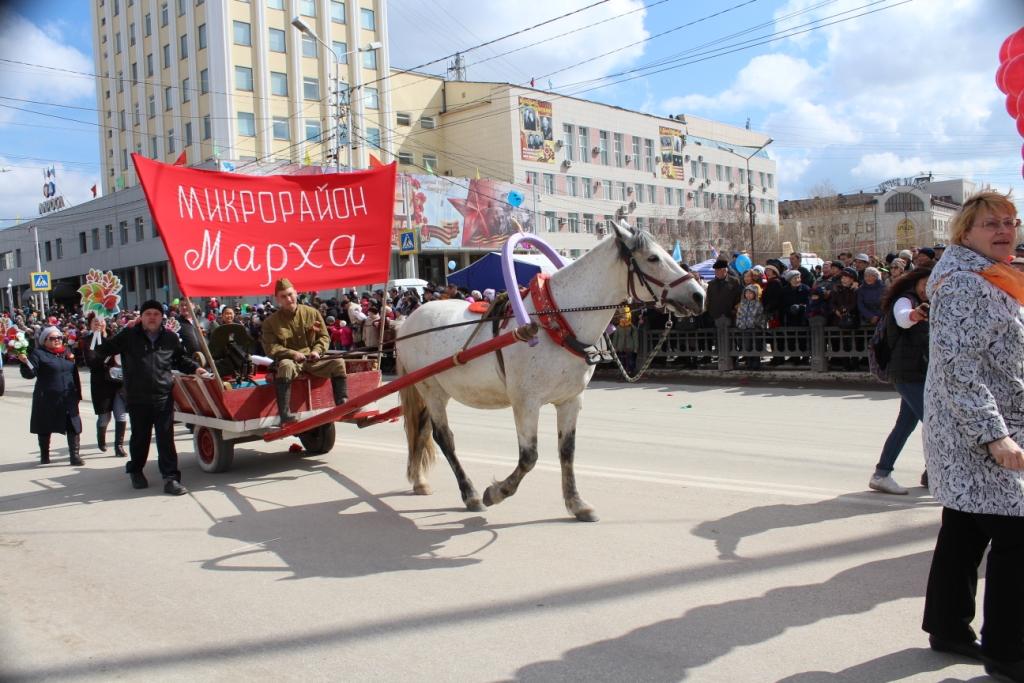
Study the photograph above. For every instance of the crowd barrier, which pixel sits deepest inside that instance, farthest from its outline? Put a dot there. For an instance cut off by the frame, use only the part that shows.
(817, 342)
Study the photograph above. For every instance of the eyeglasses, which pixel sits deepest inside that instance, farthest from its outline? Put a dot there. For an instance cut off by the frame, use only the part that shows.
(993, 225)
(50, 339)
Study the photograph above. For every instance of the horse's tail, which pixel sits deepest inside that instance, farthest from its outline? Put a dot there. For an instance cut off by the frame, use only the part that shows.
(418, 428)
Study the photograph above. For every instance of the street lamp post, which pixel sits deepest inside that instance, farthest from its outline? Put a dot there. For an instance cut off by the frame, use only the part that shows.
(751, 209)
(10, 293)
(298, 23)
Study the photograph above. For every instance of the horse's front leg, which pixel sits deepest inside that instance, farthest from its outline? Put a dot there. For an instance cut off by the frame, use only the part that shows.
(526, 430)
(566, 414)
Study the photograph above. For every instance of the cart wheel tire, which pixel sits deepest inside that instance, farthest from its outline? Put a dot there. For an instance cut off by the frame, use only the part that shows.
(318, 441)
(213, 453)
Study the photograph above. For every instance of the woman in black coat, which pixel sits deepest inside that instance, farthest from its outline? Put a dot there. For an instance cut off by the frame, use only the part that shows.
(107, 393)
(56, 395)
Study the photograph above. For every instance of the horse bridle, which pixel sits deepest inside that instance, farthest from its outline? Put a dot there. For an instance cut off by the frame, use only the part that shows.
(635, 273)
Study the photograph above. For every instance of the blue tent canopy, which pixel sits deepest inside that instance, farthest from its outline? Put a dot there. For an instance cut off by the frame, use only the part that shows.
(485, 273)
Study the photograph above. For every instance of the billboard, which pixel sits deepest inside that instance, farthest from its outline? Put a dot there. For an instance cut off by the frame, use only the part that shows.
(453, 213)
(670, 152)
(536, 131)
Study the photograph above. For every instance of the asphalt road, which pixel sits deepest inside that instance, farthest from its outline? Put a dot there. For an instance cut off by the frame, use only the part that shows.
(738, 542)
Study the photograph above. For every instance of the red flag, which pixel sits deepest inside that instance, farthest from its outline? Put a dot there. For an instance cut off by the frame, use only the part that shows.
(375, 162)
(532, 82)
(181, 160)
(237, 233)
(93, 188)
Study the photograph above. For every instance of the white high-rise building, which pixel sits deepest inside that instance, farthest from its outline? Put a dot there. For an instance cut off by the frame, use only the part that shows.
(234, 79)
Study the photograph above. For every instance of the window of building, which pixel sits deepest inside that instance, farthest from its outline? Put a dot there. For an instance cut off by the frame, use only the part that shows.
(206, 127)
(694, 169)
(406, 158)
(373, 138)
(275, 4)
(532, 178)
(743, 176)
(606, 189)
(243, 78)
(136, 116)
(117, 43)
(668, 196)
(586, 187)
(276, 40)
(338, 11)
(403, 118)
(652, 194)
(367, 19)
(588, 222)
(602, 146)
(617, 148)
(340, 50)
(149, 65)
(636, 152)
(140, 229)
(188, 133)
(307, 7)
(621, 188)
(638, 193)
(154, 151)
(243, 33)
(164, 14)
(549, 183)
(168, 99)
(147, 24)
(550, 221)
(649, 155)
(903, 201)
(679, 197)
(83, 241)
(204, 81)
(311, 88)
(427, 122)
(60, 247)
(718, 172)
(281, 131)
(308, 46)
(571, 187)
(170, 142)
(151, 106)
(131, 34)
(182, 4)
(278, 83)
(167, 56)
(313, 130)
(641, 223)
(771, 180)
(372, 99)
(430, 161)
(183, 47)
(95, 242)
(201, 37)
(567, 141)
(186, 90)
(704, 168)
(108, 235)
(574, 222)
(246, 124)
(120, 118)
(123, 230)
(370, 59)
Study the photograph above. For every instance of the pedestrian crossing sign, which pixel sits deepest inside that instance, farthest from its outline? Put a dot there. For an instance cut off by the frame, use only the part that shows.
(41, 281)
(407, 242)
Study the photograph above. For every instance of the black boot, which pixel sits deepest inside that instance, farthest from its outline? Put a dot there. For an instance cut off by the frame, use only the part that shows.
(340, 387)
(44, 449)
(284, 398)
(101, 437)
(119, 430)
(74, 442)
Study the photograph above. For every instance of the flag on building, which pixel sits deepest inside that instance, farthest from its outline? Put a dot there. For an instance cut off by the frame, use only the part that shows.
(93, 188)
(120, 182)
(307, 160)
(182, 159)
(375, 162)
(478, 173)
(430, 169)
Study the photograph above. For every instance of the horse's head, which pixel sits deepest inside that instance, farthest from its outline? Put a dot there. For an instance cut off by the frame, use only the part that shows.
(654, 275)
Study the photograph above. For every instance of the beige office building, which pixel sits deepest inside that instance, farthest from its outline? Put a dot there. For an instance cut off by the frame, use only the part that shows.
(234, 80)
(578, 162)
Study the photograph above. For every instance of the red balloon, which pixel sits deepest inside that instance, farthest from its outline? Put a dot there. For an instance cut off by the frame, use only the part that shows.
(1012, 108)
(1020, 103)
(1012, 46)
(1013, 76)
(1000, 75)
(1020, 125)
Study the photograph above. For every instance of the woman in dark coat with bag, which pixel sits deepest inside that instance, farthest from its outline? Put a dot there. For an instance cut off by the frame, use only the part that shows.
(56, 395)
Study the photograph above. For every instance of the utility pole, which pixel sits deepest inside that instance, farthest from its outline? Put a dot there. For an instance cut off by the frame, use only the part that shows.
(751, 208)
(40, 302)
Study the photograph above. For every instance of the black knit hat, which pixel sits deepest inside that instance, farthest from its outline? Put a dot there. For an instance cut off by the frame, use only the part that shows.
(152, 303)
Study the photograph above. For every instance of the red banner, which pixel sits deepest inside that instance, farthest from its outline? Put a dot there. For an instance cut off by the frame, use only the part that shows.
(230, 233)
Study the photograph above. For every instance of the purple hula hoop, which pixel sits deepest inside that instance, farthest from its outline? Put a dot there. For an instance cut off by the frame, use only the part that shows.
(509, 272)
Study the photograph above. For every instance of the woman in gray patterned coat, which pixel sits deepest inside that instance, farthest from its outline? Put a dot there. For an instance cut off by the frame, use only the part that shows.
(974, 423)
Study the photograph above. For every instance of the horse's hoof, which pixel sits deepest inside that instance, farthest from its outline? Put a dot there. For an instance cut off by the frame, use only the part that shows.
(422, 489)
(587, 516)
(474, 505)
(488, 500)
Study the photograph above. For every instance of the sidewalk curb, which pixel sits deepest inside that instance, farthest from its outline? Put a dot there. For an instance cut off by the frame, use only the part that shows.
(789, 377)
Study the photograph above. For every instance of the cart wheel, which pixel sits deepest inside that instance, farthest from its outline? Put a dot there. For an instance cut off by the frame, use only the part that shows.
(318, 441)
(213, 453)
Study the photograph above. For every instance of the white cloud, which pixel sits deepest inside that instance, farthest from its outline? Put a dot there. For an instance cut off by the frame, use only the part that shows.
(421, 32)
(901, 91)
(23, 41)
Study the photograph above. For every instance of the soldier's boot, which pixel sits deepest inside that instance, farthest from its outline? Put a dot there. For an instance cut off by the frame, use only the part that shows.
(119, 429)
(284, 398)
(340, 387)
(74, 443)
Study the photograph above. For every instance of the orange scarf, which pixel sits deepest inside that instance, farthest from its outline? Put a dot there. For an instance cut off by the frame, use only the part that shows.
(1006, 278)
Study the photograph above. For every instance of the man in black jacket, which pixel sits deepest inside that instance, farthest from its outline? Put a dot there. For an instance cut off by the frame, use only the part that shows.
(723, 294)
(148, 354)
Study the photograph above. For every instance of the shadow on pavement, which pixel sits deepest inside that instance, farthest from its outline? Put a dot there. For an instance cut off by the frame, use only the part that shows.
(727, 532)
(667, 650)
(891, 667)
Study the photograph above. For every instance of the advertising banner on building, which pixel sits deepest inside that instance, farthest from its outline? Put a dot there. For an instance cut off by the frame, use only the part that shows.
(453, 213)
(536, 131)
(670, 153)
(231, 232)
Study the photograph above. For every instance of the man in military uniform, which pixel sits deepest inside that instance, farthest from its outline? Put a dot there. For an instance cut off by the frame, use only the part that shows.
(296, 338)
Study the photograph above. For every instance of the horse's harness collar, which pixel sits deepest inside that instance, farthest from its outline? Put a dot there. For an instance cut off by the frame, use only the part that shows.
(558, 328)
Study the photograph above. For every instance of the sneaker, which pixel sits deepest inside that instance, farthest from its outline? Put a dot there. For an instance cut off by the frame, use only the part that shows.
(173, 488)
(138, 480)
(886, 484)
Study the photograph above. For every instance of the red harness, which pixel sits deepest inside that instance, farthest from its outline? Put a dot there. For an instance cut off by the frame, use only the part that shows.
(553, 321)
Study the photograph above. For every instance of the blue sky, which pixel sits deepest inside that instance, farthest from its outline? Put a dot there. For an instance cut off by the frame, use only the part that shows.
(907, 88)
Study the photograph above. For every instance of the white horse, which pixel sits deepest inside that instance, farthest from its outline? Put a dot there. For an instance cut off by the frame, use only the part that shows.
(626, 261)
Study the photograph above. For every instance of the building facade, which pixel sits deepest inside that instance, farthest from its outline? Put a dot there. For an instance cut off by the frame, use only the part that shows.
(579, 163)
(903, 213)
(234, 79)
